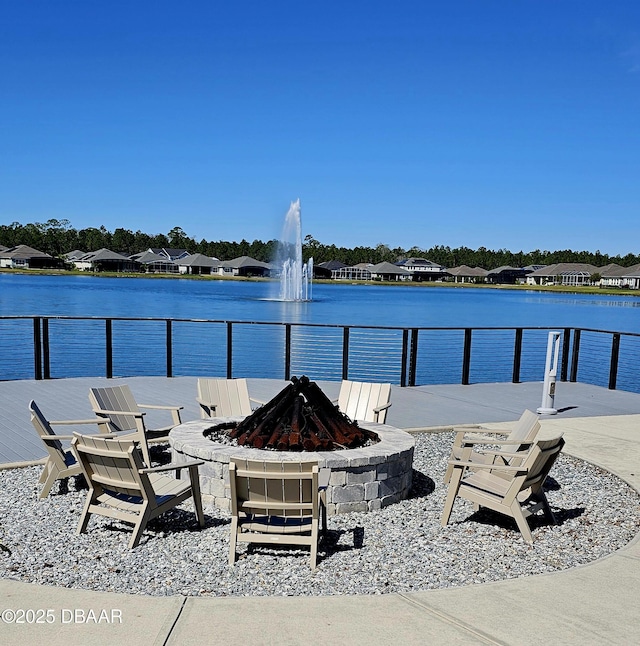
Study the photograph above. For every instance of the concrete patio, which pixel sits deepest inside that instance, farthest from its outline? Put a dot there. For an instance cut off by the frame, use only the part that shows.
(592, 604)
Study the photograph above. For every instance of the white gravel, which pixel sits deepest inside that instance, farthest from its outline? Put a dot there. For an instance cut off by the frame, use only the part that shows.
(401, 548)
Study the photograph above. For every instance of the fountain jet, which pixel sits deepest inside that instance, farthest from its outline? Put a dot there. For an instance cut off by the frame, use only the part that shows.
(296, 277)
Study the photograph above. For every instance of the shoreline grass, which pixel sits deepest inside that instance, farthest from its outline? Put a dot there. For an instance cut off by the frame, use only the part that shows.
(564, 289)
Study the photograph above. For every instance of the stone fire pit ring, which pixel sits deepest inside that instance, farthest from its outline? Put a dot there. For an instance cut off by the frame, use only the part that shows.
(362, 479)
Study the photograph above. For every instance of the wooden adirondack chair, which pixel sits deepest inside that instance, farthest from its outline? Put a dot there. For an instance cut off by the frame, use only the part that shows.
(364, 401)
(61, 463)
(118, 405)
(507, 488)
(121, 488)
(524, 432)
(224, 398)
(276, 503)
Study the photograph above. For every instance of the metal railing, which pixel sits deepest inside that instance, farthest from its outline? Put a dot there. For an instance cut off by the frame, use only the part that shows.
(65, 346)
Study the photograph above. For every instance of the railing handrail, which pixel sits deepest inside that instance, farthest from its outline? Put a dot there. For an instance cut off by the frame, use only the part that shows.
(374, 348)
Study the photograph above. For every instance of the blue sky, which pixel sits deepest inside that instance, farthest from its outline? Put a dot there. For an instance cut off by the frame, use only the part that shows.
(506, 124)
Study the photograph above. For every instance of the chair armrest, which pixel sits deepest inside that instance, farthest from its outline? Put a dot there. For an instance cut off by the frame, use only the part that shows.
(257, 401)
(491, 467)
(69, 422)
(379, 408)
(173, 467)
(160, 407)
(118, 412)
(492, 440)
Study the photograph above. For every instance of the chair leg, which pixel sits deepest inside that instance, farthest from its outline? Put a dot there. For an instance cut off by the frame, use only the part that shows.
(139, 527)
(195, 492)
(521, 521)
(49, 482)
(232, 541)
(454, 486)
(84, 519)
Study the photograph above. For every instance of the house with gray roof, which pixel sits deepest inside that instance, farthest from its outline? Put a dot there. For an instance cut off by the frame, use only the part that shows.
(198, 263)
(105, 260)
(387, 271)
(244, 266)
(623, 277)
(423, 269)
(466, 274)
(153, 263)
(24, 257)
(563, 273)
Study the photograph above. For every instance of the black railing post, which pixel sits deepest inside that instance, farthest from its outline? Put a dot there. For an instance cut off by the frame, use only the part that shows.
(566, 344)
(466, 357)
(46, 362)
(169, 345)
(517, 356)
(613, 369)
(403, 360)
(109, 347)
(37, 349)
(229, 350)
(287, 351)
(413, 357)
(345, 353)
(575, 356)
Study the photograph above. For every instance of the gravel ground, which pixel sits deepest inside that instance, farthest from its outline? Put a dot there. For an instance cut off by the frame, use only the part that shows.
(401, 548)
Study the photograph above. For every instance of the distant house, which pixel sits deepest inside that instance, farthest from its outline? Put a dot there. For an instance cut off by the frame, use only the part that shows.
(466, 274)
(361, 271)
(105, 260)
(423, 269)
(387, 271)
(154, 263)
(563, 273)
(25, 257)
(70, 256)
(506, 275)
(244, 266)
(327, 269)
(198, 263)
(623, 277)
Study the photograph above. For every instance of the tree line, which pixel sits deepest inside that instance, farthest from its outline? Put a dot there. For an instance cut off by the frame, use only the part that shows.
(57, 237)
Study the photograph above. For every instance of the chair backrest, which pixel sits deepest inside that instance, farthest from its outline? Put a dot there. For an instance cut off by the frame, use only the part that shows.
(115, 398)
(534, 467)
(43, 428)
(277, 489)
(358, 400)
(541, 458)
(230, 397)
(526, 428)
(113, 466)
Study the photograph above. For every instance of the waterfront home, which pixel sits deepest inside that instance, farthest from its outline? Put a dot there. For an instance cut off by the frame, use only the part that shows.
(25, 257)
(466, 274)
(423, 269)
(386, 271)
(198, 263)
(563, 273)
(154, 263)
(623, 277)
(361, 271)
(244, 266)
(506, 275)
(105, 260)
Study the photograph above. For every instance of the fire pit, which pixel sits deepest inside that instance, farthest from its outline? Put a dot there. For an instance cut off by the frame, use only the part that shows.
(299, 418)
(371, 464)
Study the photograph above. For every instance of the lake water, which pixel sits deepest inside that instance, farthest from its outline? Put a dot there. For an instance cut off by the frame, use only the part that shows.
(339, 304)
(258, 350)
